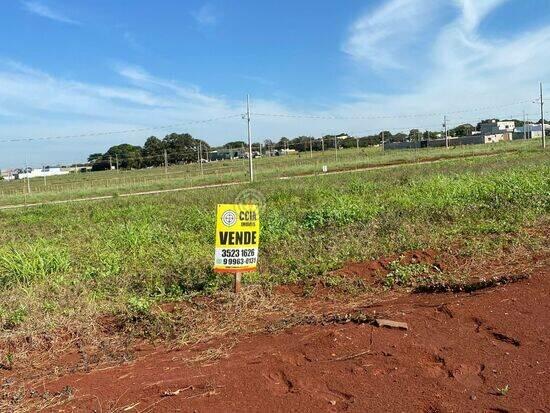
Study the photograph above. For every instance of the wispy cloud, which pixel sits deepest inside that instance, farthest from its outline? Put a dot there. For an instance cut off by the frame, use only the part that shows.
(206, 16)
(381, 37)
(460, 67)
(43, 10)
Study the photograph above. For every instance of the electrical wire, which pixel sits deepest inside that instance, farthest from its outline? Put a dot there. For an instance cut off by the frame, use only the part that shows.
(335, 117)
(90, 134)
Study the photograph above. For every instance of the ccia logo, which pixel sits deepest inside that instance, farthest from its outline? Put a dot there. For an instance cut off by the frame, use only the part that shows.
(229, 218)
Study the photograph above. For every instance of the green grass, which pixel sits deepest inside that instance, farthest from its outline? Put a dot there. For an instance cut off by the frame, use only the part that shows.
(81, 185)
(70, 263)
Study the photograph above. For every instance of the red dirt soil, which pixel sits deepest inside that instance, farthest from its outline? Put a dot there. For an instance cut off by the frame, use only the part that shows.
(485, 352)
(373, 271)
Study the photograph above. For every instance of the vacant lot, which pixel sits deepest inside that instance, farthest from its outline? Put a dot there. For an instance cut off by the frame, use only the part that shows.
(81, 284)
(81, 185)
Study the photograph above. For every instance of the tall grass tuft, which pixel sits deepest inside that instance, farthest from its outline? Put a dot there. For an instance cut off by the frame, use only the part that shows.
(27, 263)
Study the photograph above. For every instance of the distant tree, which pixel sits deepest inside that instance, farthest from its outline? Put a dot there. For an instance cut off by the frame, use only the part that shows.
(386, 135)
(182, 148)
(370, 140)
(129, 156)
(415, 135)
(94, 157)
(462, 130)
(399, 137)
(235, 144)
(153, 152)
(429, 135)
(282, 144)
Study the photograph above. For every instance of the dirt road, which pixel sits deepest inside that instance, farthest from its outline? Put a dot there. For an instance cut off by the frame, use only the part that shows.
(486, 351)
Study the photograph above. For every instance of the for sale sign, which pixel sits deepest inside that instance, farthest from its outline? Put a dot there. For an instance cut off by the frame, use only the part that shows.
(237, 238)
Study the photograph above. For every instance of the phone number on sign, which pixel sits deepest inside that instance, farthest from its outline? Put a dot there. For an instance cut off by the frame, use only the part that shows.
(239, 261)
(237, 253)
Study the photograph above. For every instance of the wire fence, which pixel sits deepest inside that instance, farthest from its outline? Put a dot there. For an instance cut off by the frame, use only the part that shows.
(202, 165)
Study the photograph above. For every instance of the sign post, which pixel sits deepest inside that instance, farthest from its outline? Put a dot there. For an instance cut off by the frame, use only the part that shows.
(237, 240)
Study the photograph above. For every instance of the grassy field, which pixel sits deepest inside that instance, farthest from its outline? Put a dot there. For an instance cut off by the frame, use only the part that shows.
(68, 264)
(82, 185)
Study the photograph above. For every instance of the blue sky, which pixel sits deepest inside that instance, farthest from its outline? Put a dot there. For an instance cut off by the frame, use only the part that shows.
(70, 68)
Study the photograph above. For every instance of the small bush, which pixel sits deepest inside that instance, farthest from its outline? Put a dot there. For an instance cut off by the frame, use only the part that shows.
(405, 275)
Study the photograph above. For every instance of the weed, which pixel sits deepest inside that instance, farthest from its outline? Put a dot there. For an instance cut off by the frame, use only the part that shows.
(503, 391)
(405, 274)
(24, 264)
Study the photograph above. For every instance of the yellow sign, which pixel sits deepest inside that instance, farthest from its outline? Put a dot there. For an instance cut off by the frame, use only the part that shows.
(237, 238)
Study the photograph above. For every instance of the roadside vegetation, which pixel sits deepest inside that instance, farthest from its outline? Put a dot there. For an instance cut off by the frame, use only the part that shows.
(113, 183)
(68, 265)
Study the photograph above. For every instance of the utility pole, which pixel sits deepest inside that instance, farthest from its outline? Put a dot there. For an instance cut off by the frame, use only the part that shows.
(28, 178)
(357, 142)
(524, 126)
(116, 157)
(311, 147)
(336, 147)
(323, 143)
(165, 162)
(199, 156)
(542, 118)
(110, 162)
(446, 132)
(383, 142)
(250, 166)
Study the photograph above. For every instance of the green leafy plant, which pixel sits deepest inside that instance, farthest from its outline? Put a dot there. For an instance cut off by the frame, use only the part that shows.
(405, 274)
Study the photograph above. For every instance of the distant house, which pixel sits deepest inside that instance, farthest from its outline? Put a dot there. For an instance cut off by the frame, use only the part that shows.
(531, 130)
(495, 127)
(8, 174)
(227, 153)
(36, 172)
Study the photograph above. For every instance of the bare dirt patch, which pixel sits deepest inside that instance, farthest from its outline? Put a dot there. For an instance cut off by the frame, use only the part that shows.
(486, 351)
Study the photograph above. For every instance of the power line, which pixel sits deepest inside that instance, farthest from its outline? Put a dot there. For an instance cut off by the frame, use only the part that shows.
(335, 117)
(90, 134)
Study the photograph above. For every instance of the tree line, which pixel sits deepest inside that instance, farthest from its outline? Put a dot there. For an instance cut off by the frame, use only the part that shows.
(179, 148)
(183, 148)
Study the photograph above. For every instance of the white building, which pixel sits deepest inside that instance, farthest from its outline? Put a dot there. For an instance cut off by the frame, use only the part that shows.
(37, 173)
(533, 130)
(494, 127)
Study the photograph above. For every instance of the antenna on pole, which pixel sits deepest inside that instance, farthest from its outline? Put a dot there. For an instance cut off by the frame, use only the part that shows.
(446, 131)
(250, 167)
(542, 117)
(524, 126)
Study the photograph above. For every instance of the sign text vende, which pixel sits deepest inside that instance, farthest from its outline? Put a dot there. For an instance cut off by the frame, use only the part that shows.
(237, 238)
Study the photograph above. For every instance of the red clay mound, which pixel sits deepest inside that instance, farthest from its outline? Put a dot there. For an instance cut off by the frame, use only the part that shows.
(373, 271)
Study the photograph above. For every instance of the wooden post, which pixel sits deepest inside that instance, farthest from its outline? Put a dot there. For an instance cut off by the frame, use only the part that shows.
(237, 282)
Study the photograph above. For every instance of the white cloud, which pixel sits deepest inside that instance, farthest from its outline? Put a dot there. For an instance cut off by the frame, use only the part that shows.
(474, 11)
(42, 10)
(206, 15)
(382, 36)
(460, 70)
